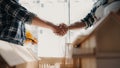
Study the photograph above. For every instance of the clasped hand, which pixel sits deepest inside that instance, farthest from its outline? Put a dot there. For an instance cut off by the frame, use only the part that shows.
(61, 30)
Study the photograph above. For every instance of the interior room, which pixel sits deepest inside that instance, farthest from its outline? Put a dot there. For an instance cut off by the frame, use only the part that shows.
(95, 45)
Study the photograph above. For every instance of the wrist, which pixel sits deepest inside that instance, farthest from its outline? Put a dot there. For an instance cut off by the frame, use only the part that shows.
(69, 27)
(52, 26)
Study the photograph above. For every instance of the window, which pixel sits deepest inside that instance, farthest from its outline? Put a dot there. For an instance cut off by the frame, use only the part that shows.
(57, 11)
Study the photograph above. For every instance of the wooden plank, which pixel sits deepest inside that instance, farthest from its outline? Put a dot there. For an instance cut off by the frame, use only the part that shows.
(106, 39)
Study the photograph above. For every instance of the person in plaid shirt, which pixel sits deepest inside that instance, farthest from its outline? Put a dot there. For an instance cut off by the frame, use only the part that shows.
(91, 18)
(13, 18)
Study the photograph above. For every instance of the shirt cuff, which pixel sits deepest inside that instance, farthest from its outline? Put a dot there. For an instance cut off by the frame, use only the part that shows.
(29, 18)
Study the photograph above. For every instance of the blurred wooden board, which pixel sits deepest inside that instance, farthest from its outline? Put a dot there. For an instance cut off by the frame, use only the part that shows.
(104, 39)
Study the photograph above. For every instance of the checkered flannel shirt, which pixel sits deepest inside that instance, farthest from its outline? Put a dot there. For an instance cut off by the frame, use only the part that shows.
(12, 21)
(90, 17)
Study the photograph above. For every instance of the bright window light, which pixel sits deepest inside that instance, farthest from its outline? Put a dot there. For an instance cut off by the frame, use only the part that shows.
(55, 11)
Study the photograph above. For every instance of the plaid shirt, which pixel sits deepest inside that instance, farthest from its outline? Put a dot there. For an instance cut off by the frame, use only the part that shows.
(90, 17)
(12, 21)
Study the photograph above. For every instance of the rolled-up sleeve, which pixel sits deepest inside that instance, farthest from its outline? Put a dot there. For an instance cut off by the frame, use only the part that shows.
(13, 8)
(89, 19)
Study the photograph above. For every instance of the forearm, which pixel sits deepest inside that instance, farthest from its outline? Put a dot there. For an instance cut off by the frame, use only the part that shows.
(76, 25)
(42, 23)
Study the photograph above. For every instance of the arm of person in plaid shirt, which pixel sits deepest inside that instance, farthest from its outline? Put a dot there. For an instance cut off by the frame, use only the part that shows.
(88, 21)
(14, 9)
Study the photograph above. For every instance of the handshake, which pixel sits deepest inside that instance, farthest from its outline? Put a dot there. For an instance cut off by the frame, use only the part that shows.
(61, 29)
